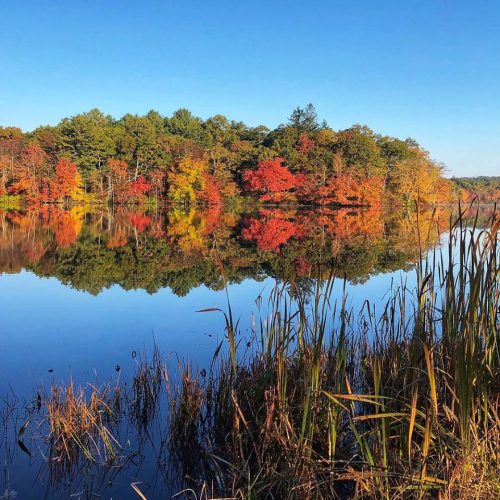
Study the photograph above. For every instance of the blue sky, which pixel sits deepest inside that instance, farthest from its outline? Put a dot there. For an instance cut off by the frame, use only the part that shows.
(429, 69)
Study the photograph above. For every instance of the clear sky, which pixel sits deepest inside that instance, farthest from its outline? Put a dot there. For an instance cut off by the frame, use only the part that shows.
(428, 69)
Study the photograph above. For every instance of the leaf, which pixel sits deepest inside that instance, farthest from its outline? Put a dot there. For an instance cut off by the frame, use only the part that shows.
(362, 398)
(23, 428)
(23, 447)
(380, 415)
(138, 491)
(432, 379)
(413, 415)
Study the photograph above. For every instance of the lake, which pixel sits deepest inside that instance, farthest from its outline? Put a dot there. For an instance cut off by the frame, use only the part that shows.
(86, 293)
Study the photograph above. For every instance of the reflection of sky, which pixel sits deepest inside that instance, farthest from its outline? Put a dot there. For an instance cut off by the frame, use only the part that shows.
(47, 325)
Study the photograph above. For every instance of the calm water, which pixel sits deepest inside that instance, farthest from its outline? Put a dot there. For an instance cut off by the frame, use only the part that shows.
(81, 291)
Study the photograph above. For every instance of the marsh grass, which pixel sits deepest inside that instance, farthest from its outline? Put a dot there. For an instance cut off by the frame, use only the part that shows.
(328, 404)
(146, 389)
(80, 421)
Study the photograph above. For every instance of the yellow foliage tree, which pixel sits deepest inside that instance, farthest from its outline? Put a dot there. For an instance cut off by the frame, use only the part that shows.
(186, 180)
(77, 192)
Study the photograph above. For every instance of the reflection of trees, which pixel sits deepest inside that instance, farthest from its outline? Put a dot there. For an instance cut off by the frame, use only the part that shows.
(184, 249)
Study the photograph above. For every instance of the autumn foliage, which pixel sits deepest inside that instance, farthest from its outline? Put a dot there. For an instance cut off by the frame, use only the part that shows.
(271, 179)
(139, 187)
(184, 160)
(347, 190)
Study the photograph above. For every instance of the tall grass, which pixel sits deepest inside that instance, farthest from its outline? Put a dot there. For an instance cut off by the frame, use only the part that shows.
(326, 403)
(80, 421)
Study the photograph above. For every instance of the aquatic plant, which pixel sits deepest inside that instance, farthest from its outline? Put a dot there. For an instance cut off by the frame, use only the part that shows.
(327, 404)
(80, 420)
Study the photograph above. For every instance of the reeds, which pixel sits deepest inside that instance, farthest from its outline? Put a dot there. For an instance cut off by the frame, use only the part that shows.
(327, 404)
(79, 421)
(146, 388)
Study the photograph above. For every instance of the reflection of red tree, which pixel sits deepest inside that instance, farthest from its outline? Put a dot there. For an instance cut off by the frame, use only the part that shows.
(140, 221)
(269, 234)
(275, 227)
(345, 223)
(211, 218)
(118, 239)
(34, 250)
(156, 231)
(66, 224)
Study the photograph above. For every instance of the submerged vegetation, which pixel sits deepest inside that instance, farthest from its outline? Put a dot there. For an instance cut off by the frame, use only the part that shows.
(318, 400)
(93, 158)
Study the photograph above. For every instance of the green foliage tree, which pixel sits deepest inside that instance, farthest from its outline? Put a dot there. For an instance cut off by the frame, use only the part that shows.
(139, 144)
(184, 124)
(305, 119)
(360, 151)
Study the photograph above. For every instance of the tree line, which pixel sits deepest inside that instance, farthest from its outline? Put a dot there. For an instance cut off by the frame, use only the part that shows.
(484, 188)
(92, 157)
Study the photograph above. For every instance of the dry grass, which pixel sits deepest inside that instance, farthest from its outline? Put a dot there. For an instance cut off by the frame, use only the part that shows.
(79, 425)
(328, 404)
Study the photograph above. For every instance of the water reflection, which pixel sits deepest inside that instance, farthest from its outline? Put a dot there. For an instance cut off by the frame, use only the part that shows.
(179, 249)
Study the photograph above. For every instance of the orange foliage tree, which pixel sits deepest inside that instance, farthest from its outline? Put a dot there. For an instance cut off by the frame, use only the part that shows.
(211, 194)
(343, 190)
(117, 179)
(66, 183)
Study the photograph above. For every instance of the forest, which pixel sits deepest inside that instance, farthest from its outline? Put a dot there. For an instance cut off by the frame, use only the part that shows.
(182, 159)
(485, 188)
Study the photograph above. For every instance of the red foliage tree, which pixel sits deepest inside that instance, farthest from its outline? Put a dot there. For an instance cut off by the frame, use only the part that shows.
(272, 179)
(139, 187)
(65, 180)
(211, 194)
(305, 143)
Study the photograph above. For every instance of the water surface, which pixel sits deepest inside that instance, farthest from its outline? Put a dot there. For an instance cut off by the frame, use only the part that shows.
(83, 291)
